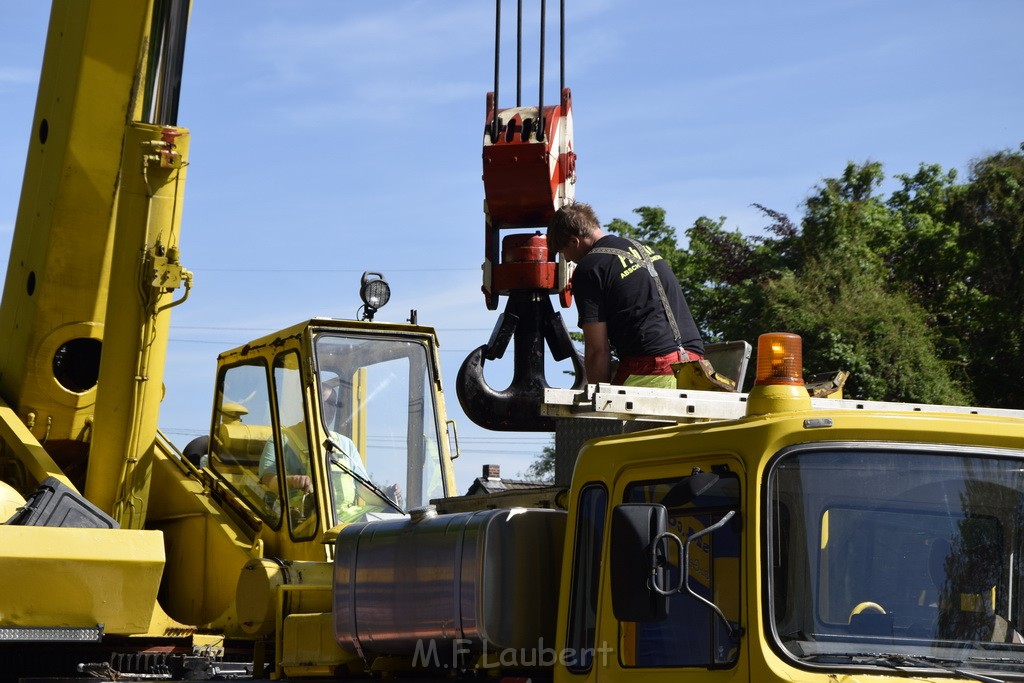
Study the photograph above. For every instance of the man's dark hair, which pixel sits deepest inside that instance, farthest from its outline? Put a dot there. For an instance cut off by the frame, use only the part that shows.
(572, 220)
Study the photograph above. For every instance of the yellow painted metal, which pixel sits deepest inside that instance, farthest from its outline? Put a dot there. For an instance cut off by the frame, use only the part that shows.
(26, 449)
(142, 287)
(10, 500)
(56, 285)
(95, 263)
(777, 398)
(306, 541)
(301, 333)
(207, 543)
(80, 577)
(359, 410)
(447, 457)
(309, 649)
(746, 445)
(261, 580)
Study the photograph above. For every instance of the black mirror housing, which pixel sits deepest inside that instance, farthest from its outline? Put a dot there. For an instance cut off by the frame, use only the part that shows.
(634, 530)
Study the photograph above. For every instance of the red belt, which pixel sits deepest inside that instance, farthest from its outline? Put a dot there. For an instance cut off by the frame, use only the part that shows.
(651, 365)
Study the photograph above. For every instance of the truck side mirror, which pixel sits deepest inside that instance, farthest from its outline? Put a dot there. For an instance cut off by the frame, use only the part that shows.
(689, 488)
(636, 564)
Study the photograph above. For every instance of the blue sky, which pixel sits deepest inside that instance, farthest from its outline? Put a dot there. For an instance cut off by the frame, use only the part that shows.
(330, 138)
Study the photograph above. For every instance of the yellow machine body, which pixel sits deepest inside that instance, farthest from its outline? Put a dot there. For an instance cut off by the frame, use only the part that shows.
(770, 543)
(145, 275)
(89, 577)
(733, 568)
(95, 266)
(56, 292)
(385, 397)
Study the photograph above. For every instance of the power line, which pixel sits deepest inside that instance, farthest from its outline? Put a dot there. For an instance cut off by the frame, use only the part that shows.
(231, 344)
(265, 330)
(329, 270)
(519, 438)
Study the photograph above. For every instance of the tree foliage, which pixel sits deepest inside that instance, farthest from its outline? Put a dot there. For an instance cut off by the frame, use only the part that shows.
(919, 293)
(543, 466)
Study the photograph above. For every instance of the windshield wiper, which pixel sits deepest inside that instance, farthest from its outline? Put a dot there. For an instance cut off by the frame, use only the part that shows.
(331, 447)
(944, 664)
(796, 635)
(903, 662)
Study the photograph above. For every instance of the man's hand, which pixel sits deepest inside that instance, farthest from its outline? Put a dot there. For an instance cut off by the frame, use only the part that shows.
(597, 352)
(394, 492)
(300, 481)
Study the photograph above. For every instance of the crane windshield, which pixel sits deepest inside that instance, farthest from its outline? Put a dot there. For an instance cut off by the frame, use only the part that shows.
(377, 407)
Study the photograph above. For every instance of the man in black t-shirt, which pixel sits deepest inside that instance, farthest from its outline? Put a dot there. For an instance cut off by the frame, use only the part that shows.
(622, 305)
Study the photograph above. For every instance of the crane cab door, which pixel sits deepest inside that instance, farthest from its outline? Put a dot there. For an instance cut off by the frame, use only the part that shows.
(261, 447)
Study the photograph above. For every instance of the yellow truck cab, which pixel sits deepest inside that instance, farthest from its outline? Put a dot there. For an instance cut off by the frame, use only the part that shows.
(821, 539)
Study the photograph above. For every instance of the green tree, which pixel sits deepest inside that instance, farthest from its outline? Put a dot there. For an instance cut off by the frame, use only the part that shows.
(723, 277)
(920, 295)
(543, 466)
(653, 230)
(990, 211)
(830, 281)
(930, 263)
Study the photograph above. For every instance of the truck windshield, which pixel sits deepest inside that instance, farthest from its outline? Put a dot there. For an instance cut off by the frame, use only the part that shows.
(377, 396)
(893, 557)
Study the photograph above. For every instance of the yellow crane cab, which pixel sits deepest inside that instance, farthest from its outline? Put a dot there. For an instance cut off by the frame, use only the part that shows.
(330, 422)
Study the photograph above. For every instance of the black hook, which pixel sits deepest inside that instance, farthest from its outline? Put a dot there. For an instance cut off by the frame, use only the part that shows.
(530, 318)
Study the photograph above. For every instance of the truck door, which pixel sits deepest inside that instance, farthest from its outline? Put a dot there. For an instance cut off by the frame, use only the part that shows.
(698, 629)
(692, 634)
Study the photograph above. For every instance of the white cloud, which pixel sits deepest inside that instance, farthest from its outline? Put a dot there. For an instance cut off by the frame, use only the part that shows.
(407, 36)
(11, 75)
(380, 101)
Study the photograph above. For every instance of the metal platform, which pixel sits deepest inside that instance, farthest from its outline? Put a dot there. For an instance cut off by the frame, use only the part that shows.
(609, 401)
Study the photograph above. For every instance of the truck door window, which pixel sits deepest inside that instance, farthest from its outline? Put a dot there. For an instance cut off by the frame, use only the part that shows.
(241, 430)
(693, 635)
(912, 551)
(586, 575)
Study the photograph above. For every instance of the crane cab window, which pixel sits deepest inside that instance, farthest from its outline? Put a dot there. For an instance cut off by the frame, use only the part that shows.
(378, 394)
(241, 430)
(291, 475)
(693, 635)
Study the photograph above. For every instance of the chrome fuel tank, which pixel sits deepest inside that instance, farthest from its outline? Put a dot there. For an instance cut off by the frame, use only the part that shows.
(461, 583)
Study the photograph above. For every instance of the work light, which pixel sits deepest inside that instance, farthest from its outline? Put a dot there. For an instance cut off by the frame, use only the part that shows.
(375, 293)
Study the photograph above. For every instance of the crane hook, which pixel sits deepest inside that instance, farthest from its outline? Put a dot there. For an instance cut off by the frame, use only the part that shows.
(530, 318)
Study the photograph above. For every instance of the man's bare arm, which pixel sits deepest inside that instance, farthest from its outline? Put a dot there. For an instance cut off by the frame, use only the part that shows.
(294, 481)
(597, 357)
